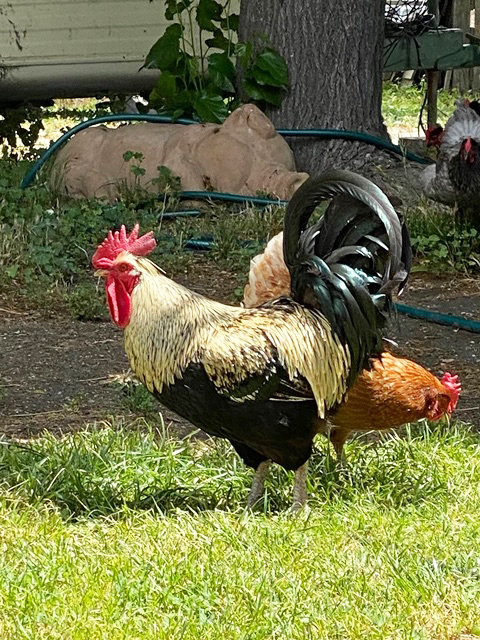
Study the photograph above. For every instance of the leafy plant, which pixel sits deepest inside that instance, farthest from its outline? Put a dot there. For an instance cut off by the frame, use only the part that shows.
(441, 243)
(166, 181)
(199, 73)
(86, 303)
(134, 192)
(136, 169)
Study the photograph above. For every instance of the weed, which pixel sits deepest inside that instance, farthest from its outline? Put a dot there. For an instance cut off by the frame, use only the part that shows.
(138, 400)
(86, 302)
(441, 243)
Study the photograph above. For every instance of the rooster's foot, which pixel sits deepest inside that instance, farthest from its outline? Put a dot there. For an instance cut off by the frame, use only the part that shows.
(300, 488)
(256, 492)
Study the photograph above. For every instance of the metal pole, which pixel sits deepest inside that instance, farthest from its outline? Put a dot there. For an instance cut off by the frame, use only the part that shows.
(433, 8)
(432, 74)
(432, 88)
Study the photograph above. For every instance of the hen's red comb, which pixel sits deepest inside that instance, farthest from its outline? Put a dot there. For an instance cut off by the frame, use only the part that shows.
(117, 242)
(454, 387)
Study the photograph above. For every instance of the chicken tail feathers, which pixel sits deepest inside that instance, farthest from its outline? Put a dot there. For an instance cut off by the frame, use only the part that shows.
(349, 263)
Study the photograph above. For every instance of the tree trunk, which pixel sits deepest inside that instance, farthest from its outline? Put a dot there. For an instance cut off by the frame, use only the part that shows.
(334, 53)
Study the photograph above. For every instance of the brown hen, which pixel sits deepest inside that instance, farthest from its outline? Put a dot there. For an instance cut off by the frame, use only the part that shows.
(395, 391)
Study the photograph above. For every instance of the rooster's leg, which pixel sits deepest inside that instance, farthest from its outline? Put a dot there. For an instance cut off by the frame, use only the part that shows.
(300, 487)
(256, 492)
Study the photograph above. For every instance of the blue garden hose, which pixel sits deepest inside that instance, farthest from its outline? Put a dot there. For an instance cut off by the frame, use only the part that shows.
(229, 197)
(439, 318)
(136, 117)
(216, 195)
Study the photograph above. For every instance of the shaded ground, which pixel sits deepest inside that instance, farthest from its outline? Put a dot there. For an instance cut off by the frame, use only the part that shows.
(53, 371)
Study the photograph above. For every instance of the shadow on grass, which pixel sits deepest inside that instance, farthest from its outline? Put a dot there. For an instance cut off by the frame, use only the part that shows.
(112, 470)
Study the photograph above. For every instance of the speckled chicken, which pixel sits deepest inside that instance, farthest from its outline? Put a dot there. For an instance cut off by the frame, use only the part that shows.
(267, 378)
(455, 178)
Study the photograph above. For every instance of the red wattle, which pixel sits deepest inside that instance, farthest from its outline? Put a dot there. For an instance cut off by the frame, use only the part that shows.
(119, 301)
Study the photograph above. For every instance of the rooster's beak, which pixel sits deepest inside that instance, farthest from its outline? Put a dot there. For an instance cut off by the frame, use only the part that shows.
(101, 273)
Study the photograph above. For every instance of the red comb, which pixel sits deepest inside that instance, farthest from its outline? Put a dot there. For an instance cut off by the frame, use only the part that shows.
(454, 387)
(118, 241)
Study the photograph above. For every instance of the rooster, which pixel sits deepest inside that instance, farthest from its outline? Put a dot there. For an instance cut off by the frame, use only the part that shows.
(267, 378)
(392, 392)
(455, 178)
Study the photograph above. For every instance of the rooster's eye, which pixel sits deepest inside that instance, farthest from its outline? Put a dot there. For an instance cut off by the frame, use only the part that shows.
(123, 267)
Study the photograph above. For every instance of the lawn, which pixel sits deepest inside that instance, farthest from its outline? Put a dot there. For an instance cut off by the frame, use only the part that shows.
(124, 533)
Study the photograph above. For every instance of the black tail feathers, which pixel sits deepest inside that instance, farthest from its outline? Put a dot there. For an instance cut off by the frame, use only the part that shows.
(351, 261)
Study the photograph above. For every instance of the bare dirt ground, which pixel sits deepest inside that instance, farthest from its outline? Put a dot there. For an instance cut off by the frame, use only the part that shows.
(53, 371)
(56, 373)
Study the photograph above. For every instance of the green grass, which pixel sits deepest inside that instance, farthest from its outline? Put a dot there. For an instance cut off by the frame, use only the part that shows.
(402, 105)
(124, 533)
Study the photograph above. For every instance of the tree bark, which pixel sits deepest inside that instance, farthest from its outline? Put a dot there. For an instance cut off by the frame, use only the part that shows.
(334, 53)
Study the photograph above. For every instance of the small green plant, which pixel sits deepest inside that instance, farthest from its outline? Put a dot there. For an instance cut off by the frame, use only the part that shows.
(199, 76)
(137, 399)
(136, 169)
(85, 302)
(167, 182)
(137, 193)
(441, 243)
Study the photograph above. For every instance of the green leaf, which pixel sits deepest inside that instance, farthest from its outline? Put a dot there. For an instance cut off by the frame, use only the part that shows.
(221, 72)
(184, 100)
(243, 51)
(272, 63)
(272, 95)
(12, 271)
(129, 155)
(192, 71)
(210, 107)
(175, 7)
(230, 22)
(219, 41)
(177, 113)
(263, 77)
(207, 12)
(165, 87)
(166, 51)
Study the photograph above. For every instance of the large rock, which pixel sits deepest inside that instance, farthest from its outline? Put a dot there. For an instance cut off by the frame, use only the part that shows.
(243, 155)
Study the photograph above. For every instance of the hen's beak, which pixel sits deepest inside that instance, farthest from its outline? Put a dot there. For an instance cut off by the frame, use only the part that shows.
(101, 273)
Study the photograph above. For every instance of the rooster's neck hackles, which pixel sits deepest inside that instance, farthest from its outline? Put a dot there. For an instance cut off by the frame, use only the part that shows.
(172, 327)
